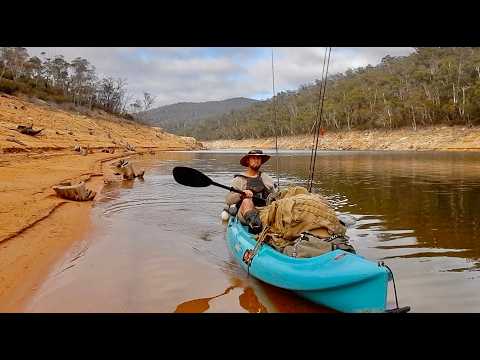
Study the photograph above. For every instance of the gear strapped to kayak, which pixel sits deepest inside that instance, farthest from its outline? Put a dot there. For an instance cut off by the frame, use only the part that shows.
(302, 224)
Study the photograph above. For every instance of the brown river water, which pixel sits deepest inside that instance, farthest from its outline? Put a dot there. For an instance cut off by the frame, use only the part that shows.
(157, 246)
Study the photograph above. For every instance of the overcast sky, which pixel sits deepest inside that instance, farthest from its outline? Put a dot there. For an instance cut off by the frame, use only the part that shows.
(202, 74)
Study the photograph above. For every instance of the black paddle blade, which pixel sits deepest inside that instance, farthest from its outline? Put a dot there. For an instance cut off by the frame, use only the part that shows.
(190, 177)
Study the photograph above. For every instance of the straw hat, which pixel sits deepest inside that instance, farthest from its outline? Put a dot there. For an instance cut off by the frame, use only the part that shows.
(244, 160)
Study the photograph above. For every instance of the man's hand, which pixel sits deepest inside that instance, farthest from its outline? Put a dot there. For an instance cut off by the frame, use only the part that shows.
(248, 193)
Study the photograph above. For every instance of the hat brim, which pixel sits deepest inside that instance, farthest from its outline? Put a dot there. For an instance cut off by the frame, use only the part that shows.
(244, 160)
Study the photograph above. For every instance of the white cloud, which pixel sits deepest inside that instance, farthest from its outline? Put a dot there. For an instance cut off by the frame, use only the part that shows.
(202, 74)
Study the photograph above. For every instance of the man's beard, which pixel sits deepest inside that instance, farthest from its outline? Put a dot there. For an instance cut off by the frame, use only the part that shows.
(255, 167)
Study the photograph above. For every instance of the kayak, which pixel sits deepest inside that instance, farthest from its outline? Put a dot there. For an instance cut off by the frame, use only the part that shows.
(339, 280)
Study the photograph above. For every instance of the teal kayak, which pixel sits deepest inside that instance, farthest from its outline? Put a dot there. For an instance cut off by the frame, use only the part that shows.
(338, 279)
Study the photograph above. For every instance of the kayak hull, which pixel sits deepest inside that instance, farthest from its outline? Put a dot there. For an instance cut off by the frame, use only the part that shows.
(339, 280)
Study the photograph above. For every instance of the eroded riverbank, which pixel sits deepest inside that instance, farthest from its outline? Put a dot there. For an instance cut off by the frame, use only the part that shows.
(445, 138)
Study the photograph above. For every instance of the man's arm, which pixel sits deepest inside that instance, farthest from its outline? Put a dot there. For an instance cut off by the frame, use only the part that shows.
(233, 197)
(268, 182)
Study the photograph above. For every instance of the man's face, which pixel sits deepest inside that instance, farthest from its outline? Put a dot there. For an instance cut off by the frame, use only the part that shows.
(254, 162)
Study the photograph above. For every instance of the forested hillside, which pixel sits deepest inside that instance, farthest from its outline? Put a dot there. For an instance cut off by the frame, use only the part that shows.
(429, 87)
(61, 81)
(176, 117)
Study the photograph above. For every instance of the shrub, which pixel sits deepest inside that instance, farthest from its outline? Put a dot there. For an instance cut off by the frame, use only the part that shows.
(59, 98)
(8, 86)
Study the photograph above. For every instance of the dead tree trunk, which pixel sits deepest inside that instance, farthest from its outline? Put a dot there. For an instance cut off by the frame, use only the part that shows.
(28, 130)
(128, 171)
(76, 192)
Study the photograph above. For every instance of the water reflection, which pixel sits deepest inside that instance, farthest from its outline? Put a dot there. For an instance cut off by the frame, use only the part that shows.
(247, 300)
(199, 305)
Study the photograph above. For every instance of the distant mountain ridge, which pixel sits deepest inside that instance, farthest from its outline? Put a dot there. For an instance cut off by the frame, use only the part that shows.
(175, 117)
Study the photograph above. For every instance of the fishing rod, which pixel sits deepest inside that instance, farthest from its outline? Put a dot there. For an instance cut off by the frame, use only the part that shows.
(315, 123)
(275, 122)
(319, 120)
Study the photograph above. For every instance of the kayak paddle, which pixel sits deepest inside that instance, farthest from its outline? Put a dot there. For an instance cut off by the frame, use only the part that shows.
(194, 178)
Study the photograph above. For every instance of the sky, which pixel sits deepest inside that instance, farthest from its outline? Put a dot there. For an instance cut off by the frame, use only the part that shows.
(205, 74)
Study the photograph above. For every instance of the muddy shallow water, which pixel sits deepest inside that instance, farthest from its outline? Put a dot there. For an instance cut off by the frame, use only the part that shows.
(157, 246)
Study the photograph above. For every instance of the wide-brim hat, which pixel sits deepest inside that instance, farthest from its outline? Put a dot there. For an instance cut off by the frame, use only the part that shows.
(244, 160)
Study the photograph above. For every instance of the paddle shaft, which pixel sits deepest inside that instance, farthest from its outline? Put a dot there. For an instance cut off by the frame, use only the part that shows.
(232, 189)
(227, 187)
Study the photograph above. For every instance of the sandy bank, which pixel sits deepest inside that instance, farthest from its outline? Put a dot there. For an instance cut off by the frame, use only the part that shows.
(63, 130)
(36, 226)
(431, 138)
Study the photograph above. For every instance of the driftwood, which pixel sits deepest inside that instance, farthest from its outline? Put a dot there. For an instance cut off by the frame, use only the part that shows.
(127, 170)
(28, 130)
(76, 192)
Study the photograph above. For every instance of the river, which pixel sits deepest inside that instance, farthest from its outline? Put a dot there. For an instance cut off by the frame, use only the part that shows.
(157, 246)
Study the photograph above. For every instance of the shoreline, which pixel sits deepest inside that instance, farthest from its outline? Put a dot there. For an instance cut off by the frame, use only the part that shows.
(36, 226)
(50, 226)
(444, 138)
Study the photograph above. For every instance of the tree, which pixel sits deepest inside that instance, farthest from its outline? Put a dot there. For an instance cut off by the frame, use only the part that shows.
(4, 55)
(111, 94)
(148, 101)
(82, 79)
(35, 68)
(57, 72)
(136, 106)
(13, 59)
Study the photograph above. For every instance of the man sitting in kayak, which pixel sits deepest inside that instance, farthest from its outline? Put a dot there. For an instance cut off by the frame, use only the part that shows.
(256, 186)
